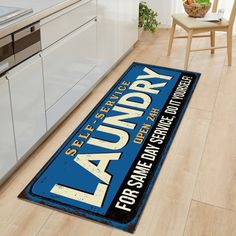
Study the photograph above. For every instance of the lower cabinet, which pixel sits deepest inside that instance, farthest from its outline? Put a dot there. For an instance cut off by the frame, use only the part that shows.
(7, 144)
(67, 61)
(71, 99)
(65, 64)
(128, 11)
(28, 108)
(107, 40)
(117, 30)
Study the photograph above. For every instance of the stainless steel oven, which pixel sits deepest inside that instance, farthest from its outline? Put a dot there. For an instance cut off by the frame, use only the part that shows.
(26, 42)
(19, 46)
(6, 53)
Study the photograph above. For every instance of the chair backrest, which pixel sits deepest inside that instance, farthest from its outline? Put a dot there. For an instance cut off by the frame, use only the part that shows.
(232, 14)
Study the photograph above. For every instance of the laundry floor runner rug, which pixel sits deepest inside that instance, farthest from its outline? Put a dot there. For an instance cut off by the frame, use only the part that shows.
(105, 170)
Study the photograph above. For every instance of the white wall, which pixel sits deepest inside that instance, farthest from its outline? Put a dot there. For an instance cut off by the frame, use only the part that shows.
(164, 9)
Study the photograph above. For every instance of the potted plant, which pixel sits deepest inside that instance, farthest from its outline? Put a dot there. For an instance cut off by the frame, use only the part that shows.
(147, 18)
(197, 8)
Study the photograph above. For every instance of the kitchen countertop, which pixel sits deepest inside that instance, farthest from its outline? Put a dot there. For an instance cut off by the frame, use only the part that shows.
(41, 9)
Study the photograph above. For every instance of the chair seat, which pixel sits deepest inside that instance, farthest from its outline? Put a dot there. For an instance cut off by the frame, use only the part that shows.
(193, 23)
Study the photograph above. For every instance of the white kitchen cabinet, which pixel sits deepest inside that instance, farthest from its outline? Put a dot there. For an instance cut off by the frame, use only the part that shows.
(7, 144)
(28, 107)
(58, 25)
(66, 62)
(117, 29)
(128, 11)
(107, 40)
(71, 99)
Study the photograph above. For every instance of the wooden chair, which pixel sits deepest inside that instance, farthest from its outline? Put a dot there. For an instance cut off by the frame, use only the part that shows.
(193, 26)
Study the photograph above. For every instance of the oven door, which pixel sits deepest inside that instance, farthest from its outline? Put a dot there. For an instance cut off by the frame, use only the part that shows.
(26, 42)
(6, 53)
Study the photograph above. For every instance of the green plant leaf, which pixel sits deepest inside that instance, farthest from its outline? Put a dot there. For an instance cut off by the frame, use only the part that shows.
(203, 2)
(147, 18)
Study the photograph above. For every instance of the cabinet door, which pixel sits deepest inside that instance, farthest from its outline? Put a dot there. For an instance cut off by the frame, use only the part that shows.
(27, 95)
(128, 11)
(7, 144)
(66, 62)
(117, 29)
(107, 23)
(61, 23)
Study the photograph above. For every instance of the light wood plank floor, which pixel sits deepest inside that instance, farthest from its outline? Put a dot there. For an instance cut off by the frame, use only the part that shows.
(195, 193)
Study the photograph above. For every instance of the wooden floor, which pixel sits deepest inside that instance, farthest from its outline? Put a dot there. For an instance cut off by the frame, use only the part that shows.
(195, 193)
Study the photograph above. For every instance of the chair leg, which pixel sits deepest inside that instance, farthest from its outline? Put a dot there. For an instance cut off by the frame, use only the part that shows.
(213, 35)
(188, 48)
(172, 32)
(229, 45)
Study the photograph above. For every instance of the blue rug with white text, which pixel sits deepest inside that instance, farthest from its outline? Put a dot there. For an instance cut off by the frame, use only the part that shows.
(106, 168)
